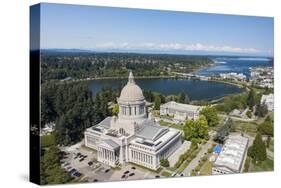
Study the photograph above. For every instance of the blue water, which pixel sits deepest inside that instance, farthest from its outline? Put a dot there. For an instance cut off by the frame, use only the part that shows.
(195, 89)
(234, 64)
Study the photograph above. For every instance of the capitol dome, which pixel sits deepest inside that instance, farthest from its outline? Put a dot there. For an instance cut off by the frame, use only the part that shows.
(131, 92)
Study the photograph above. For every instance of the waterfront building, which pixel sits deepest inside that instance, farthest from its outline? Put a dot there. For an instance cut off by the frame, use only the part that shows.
(180, 111)
(232, 156)
(131, 136)
(268, 100)
(233, 76)
(262, 76)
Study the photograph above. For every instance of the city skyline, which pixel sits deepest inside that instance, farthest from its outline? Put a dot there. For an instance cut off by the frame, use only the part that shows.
(152, 31)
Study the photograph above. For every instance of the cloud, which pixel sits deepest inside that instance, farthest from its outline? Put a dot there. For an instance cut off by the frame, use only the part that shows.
(173, 47)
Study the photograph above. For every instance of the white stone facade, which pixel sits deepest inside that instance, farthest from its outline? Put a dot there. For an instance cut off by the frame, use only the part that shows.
(268, 100)
(180, 111)
(132, 137)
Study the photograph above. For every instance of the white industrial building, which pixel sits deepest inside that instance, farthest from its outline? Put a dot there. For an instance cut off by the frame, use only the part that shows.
(180, 111)
(132, 137)
(232, 156)
(268, 100)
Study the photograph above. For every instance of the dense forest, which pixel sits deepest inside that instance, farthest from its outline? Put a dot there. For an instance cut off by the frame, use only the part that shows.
(57, 66)
(73, 109)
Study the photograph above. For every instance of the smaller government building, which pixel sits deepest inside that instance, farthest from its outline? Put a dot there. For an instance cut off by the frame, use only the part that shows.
(268, 100)
(131, 136)
(232, 156)
(179, 111)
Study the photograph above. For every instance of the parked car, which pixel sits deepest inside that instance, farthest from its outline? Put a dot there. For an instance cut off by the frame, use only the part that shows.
(90, 163)
(77, 174)
(126, 172)
(157, 176)
(71, 172)
(134, 168)
(95, 180)
(107, 170)
(81, 160)
(132, 174)
(123, 176)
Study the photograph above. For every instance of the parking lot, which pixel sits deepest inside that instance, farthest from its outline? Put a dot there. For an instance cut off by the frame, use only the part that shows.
(81, 162)
(131, 172)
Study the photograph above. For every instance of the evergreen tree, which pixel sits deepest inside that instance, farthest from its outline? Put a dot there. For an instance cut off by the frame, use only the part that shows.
(266, 128)
(181, 97)
(261, 110)
(157, 102)
(251, 101)
(258, 150)
(51, 171)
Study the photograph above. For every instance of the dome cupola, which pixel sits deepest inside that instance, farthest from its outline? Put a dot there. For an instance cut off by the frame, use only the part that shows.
(131, 101)
(131, 92)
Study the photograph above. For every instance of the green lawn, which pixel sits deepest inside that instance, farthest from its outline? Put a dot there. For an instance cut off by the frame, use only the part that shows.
(166, 174)
(183, 166)
(172, 125)
(145, 168)
(248, 127)
(47, 140)
(206, 169)
(267, 165)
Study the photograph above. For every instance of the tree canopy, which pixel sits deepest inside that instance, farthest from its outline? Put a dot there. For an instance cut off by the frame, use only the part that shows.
(223, 131)
(164, 163)
(258, 150)
(266, 128)
(211, 115)
(51, 171)
(261, 110)
(59, 65)
(73, 109)
(197, 129)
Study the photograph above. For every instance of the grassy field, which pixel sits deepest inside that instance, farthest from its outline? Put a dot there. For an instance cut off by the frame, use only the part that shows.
(47, 140)
(166, 174)
(247, 127)
(206, 168)
(266, 165)
(154, 171)
(172, 125)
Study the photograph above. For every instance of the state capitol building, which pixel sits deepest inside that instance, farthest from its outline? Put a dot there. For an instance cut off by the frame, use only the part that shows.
(132, 136)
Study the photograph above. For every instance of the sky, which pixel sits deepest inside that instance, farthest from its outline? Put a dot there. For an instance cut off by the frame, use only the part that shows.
(153, 31)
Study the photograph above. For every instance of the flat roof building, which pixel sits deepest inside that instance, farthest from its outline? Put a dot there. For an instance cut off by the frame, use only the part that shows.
(268, 100)
(180, 111)
(232, 155)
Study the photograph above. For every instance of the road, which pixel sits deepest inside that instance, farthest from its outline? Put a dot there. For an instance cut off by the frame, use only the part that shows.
(270, 154)
(195, 161)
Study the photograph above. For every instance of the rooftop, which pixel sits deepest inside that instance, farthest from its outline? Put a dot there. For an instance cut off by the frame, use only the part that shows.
(180, 106)
(151, 130)
(111, 144)
(232, 153)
